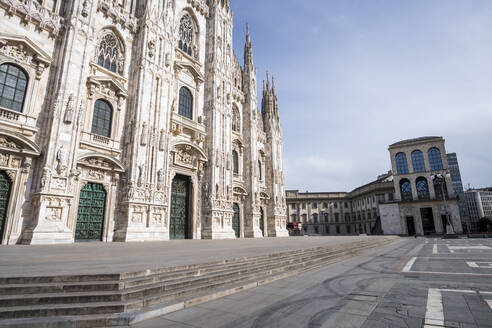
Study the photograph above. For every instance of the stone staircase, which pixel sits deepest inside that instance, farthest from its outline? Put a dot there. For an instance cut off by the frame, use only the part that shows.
(106, 300)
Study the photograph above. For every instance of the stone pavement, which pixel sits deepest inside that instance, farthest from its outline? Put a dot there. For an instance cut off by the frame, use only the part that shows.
(90, 258)
(428, 283)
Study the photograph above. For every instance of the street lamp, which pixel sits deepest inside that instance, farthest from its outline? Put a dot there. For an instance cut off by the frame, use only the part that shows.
(440, 180)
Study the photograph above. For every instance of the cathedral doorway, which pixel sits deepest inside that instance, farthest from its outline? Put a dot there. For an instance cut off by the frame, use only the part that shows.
(5, 186)
(235, 220)
(90, 217)
(262, 221)
(180, 208)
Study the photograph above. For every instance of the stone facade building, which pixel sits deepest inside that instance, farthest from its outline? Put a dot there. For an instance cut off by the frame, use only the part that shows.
(424, 194)
(132, 120)
(341, 213)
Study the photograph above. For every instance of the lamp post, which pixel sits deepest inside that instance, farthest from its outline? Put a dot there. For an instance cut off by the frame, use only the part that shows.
(440, 179)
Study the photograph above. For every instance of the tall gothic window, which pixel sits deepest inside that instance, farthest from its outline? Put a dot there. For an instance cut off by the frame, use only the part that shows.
(418, 161)
(422, 188)
(109, 55)
(235, 159)
(260, 171)
(406, 189)
(186, 32)
(435, 159)
(102, 118)
(401, 163)
(185, 103)
(236, 120)
(13, 85)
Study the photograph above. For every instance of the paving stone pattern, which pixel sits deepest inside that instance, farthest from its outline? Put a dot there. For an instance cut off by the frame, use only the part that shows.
(370, 291)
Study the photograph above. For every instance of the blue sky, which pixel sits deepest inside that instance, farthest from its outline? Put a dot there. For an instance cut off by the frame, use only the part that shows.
(354, 76)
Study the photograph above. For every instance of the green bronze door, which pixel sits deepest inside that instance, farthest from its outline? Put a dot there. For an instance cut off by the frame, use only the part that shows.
(5, 185)
(178, 224)
(90, 218)
(262, 221)
(235, 219)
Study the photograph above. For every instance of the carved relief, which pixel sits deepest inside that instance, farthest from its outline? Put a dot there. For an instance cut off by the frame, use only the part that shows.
(6, 143)
(4, 159)
(53, 214)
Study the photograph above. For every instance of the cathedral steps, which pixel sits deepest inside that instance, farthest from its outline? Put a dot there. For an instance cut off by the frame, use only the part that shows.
(142, 295)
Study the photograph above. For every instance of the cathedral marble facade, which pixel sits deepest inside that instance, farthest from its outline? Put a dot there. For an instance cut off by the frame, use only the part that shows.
(132, 120)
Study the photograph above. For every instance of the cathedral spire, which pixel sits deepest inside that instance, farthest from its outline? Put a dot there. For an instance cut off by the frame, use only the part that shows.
(248, 51)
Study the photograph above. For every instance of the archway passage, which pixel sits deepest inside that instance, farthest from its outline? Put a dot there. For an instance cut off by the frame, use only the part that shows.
(262, 222)
(235, 220)
(5, 186)
(180, 208)
(410, 226)
(90, 217)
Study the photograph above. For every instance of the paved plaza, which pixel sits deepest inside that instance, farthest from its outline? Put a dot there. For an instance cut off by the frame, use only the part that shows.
(95, 258)
(422, 282)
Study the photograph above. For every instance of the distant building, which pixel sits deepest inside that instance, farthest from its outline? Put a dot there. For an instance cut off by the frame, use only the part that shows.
(424, 193)
(341, 213)
(454, 170)
(479, 204)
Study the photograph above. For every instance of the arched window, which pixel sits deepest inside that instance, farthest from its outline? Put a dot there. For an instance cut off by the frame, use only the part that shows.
(401, 163)
(235, 160)
(418, 161)
(185, 103)
(186, 33)
(435, 159)
(326, 217)
(422, 188)
(406, 190)
(109, 54)
(102, 118)
(260, 173)
(13, 85)
(236, 120)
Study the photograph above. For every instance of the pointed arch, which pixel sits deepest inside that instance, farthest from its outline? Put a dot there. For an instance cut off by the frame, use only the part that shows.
(111, 50)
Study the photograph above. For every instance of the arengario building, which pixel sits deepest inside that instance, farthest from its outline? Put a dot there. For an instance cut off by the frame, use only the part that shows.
(132, 120)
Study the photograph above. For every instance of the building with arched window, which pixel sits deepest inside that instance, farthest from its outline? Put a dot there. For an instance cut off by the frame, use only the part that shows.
(425, 202)
(145, 120)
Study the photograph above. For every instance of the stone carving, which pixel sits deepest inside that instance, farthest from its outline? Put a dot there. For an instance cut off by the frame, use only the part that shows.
(144, 136)
(61, 158)
(162, 139)
(85, 9)
(140, 175)
(53, 214)
(151, 46)
(33, 11)
(183, 156)
(137, 218)
(4, 142)
(68, 118)
(26, 164)
(45, 179)
(4, 159)
(95, 174)
(160, 179)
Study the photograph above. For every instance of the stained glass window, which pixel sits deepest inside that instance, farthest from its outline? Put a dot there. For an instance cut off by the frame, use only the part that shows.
(109, 53)
(13, 85)
(185, 103)
(186, 32)
(102, 118)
